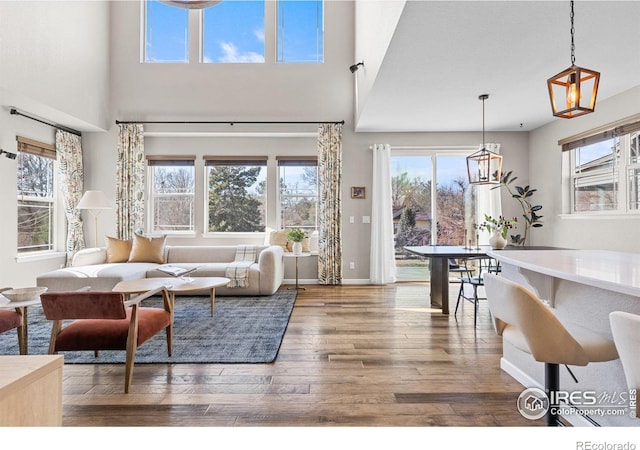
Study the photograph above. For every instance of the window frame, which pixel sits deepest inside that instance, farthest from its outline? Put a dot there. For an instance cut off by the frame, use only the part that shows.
(290, 161)
(234, 161)
(143, 37)
(42, 150)
(279, 57)
(625, 130)
(169, 161)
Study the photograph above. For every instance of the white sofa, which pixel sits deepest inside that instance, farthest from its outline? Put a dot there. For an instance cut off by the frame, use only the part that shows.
(89, 268)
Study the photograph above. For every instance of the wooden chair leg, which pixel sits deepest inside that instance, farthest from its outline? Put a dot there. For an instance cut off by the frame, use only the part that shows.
(21, 340)
(55, 330)
(169, 339)
(132, 345)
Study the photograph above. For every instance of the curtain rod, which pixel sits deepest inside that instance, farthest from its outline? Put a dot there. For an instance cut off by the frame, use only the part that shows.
(15, 112)
(230, 122)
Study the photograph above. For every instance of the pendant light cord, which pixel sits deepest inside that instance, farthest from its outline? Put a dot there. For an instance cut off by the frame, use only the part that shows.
(573, 45)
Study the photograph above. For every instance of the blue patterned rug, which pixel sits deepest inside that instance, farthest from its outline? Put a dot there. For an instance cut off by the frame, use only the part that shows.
(242, 330)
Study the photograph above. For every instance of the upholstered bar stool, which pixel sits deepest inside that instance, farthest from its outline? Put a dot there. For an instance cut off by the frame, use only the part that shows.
(523, 320)
(625, 328)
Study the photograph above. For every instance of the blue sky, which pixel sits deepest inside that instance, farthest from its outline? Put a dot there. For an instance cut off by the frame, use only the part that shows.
(234, 32)
(449, 167)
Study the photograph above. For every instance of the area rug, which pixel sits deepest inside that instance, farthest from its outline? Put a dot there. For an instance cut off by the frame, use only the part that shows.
(242, 330)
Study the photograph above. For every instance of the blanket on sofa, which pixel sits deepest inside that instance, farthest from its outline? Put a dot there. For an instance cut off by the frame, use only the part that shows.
(237, 271)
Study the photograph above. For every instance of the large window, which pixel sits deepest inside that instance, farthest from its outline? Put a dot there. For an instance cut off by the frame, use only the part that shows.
(432, 204)
(236, 194)
(298, 191)
(233, 32)
(300, 31)
(36, 196)
(166, 33)
(605, 172)
(171, 194)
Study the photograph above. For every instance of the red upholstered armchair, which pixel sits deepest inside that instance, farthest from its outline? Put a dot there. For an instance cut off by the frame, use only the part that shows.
(9, 320)
(105, 321)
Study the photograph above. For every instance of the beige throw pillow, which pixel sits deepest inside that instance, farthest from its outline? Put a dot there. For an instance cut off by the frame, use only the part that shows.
(147, 249)
(279, 238)
(118, 250)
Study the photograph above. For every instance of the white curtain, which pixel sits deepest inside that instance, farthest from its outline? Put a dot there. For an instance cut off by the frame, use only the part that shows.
(488, 200)
(383, 261)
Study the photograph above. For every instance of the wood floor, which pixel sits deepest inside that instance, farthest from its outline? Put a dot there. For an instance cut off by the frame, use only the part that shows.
(351, 356)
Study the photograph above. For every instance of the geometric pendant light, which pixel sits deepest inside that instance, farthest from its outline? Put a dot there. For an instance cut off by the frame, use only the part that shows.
(573, 91)
(484, 166)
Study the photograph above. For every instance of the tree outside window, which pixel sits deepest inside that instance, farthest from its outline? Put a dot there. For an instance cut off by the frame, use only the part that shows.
(298, 193)
(236, 196)
(171, 203)
(36, 204)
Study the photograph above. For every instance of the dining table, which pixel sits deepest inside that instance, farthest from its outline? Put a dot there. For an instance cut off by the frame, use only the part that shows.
(439, 256)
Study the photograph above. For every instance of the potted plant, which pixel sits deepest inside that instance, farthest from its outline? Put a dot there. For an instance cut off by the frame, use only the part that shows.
(499, 228)
(530, 211)
(296, 235)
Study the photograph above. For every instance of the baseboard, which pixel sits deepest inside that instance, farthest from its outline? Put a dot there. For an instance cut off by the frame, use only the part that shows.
(315, 281)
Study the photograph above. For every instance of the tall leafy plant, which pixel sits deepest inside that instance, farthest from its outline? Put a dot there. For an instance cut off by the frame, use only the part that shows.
(530, 211)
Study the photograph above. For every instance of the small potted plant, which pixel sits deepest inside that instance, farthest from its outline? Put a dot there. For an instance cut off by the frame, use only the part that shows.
(498, 228)
(296, 235)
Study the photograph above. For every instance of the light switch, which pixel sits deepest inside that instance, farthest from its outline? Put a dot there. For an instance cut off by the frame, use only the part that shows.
(366, 219)
(352, 219)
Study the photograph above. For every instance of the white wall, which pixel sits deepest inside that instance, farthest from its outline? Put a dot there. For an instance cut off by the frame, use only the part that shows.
(54, 65)
(545, 164)
(267, 92)
(54, 60)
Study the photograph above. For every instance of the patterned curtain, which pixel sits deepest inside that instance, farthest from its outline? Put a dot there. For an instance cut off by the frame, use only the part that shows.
(330, 203)
(71, 179)
(130, 181)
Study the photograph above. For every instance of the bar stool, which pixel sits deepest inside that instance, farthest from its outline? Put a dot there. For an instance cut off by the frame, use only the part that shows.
(625, 328)
(523, 320)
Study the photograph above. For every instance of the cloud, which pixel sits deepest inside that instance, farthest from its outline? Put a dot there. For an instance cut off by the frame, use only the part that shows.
(230, 53)
(259, 34)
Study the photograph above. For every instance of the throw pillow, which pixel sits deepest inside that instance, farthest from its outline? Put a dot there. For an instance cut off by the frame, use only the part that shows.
(145, 249)
(279, 238)
(118, 250)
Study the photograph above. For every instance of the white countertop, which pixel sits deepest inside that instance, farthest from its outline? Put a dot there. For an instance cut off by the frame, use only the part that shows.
(611, 270)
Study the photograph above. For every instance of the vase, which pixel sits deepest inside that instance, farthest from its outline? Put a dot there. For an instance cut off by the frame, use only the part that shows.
(297, 248)
(496, 241)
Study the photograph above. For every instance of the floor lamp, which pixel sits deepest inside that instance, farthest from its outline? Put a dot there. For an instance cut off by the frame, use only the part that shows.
(95, 202)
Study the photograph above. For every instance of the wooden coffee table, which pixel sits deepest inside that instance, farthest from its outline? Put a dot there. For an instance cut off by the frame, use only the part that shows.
(173, 285)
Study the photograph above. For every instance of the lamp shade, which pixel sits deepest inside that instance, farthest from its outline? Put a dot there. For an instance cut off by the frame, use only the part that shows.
(573, 92)
(94, 200)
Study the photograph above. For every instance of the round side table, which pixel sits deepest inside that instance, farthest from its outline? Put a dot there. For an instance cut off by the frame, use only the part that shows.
(297, 256)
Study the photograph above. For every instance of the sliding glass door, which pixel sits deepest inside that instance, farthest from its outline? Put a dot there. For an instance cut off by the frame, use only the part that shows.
(433, 204)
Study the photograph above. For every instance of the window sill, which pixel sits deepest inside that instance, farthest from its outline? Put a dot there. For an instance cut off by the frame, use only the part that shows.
(600, 216)
(35, 257)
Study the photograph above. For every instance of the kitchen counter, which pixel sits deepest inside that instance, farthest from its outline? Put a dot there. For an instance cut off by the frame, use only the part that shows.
(581, 286)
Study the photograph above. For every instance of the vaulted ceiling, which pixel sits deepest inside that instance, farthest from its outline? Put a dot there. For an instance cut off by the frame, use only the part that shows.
(444, 54)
